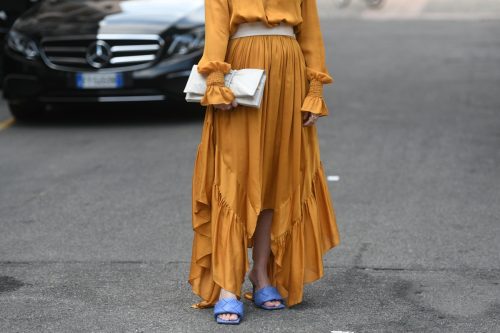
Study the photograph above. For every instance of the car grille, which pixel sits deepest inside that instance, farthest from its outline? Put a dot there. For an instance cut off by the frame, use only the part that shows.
(102, 52)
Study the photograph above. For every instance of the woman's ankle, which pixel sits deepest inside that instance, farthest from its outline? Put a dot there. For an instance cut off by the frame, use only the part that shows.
(259, 277)
(226, 294)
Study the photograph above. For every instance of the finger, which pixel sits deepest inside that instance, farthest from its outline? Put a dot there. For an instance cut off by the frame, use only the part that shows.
(310, 121)
(307, 119)
(222, 106)
(234, 103)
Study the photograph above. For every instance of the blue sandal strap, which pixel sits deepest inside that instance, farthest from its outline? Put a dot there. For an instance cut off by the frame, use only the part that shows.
(228, 305)
(267, 294)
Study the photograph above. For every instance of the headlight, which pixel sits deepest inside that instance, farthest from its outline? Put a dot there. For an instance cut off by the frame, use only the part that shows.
(187, 42)
(22, 44)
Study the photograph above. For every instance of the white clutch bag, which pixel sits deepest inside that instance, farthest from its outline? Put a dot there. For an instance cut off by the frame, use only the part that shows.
(247, 85)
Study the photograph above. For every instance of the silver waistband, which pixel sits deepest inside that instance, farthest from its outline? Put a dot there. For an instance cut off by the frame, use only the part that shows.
(260, 28)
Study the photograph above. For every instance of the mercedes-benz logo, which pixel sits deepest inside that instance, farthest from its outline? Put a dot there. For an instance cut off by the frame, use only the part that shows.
(98, 54)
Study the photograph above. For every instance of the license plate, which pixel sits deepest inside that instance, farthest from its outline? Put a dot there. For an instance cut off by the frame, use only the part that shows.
(99, 80)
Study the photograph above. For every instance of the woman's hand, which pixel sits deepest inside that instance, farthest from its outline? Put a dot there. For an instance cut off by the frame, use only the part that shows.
(309, 119)
(226, 106)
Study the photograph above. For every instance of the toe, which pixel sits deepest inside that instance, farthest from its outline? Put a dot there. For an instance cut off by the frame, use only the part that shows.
(273, 304)
(228, 316)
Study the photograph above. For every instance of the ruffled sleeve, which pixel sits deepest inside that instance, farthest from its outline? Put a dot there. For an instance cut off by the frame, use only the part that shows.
(310, 39)
(212, 62)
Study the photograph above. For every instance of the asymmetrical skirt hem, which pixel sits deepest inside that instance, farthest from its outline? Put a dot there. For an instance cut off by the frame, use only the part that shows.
(221, 239)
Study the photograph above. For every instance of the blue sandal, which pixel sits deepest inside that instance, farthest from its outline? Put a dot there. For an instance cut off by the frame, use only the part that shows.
(228, 305)
(267, 294)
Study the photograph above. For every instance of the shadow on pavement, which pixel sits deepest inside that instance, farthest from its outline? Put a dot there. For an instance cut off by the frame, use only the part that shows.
(117, 115)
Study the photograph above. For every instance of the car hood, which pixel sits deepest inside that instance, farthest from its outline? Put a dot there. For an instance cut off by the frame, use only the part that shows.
(79, 17)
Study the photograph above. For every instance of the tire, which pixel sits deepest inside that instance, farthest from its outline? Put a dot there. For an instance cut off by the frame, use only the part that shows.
(26, 111)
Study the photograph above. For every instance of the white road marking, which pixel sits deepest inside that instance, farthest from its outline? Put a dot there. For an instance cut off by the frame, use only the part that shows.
(341, 332)
(333, 178)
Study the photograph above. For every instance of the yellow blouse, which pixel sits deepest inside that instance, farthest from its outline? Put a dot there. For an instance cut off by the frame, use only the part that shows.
(221, 20)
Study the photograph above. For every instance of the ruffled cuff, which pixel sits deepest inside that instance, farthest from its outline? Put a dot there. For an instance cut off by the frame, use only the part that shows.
(314, 101)
(207, 67)
(322, 77)
(216, 92)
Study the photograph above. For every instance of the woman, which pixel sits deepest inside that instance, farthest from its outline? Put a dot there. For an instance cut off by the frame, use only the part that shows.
(258, 181)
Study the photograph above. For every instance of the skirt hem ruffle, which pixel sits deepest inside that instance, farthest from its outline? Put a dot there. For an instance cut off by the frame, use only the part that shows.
(224, 263)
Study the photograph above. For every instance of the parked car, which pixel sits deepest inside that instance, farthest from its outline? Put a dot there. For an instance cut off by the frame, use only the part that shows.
(92, 51)
(9, 11)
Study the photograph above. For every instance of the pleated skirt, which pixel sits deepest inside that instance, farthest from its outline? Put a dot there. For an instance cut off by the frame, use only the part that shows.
(252, 159)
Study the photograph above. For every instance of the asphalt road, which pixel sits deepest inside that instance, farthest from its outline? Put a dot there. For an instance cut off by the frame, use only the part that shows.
(95, 229)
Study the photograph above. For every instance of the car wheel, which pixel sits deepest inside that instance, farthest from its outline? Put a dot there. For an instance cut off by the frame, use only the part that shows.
(26, 111)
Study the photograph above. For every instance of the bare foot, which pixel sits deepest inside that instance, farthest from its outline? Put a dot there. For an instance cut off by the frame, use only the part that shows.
(227, 316)
(261, 280)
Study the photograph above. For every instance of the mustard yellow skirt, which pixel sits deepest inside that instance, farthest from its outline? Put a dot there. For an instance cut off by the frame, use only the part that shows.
(253, 159)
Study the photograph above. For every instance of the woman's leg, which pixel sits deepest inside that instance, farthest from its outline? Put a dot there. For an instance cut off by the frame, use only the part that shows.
(261, 251)
(264, 247)
(260, 256)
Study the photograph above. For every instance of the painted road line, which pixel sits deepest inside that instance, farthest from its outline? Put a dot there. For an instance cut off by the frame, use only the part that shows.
(6, 123)
(333, 178)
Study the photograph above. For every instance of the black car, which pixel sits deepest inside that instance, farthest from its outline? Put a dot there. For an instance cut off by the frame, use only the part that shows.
(80, 51)
(9, 11)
